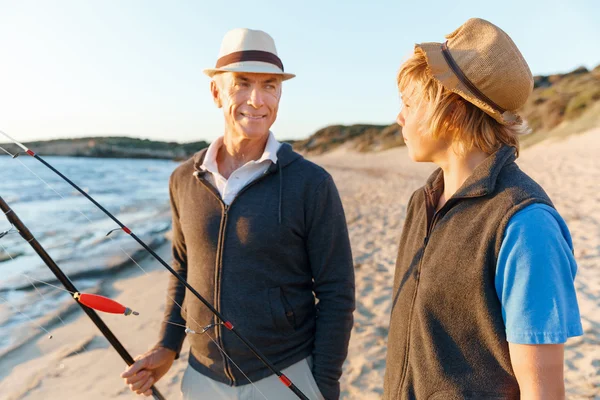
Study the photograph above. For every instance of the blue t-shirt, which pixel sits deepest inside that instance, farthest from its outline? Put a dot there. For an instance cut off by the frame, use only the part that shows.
(535, 278)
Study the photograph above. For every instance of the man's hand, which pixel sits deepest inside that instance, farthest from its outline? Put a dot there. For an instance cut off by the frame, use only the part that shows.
(148, 369)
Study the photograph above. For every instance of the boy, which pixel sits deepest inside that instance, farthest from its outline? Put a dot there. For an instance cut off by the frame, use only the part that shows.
(484, 297)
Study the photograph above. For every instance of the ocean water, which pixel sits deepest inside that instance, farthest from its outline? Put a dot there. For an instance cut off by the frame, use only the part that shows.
(72, 229)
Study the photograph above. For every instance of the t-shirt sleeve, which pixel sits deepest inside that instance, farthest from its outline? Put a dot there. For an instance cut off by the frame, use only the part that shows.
(535, 278)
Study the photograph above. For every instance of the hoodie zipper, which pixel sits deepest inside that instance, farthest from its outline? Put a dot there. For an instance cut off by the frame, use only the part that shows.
(219, 261)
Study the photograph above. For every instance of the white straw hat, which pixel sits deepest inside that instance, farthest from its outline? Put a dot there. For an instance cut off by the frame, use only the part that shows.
(248, 50)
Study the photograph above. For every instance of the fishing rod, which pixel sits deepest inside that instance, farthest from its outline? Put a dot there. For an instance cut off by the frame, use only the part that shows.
(226, 323)
(86, 301)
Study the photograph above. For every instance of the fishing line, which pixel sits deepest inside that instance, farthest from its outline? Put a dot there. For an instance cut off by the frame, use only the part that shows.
(283, 379)
(143, 270)
(205, 331)
(88, 302)
(26, 316)
(39, 292)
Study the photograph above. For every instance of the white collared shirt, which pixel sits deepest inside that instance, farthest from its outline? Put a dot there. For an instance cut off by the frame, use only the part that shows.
(229, 188)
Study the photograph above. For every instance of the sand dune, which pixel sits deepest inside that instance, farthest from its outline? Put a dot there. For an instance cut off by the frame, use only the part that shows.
(375, 189)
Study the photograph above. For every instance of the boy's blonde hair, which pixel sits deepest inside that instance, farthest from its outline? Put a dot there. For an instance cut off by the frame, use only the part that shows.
(451, 117)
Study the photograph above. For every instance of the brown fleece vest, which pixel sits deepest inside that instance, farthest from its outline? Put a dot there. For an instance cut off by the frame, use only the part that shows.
(447, 338)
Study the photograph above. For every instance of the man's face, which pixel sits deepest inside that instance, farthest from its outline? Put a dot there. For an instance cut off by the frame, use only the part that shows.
(249, 101)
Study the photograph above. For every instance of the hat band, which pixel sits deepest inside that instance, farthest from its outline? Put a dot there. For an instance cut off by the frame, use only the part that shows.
(463, 78)
(250, 55)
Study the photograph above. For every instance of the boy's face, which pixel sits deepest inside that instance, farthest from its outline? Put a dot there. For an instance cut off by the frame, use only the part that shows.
(422, 146)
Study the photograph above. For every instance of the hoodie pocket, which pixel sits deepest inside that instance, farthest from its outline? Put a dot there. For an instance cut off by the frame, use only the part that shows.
(284, 318)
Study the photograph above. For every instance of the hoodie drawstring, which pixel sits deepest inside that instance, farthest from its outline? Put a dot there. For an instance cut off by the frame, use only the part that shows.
(280, 190)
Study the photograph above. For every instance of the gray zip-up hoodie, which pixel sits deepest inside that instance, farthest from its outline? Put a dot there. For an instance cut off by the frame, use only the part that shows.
(261, 262)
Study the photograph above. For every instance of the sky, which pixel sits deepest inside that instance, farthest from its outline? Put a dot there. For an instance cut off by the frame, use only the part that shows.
(73, 68)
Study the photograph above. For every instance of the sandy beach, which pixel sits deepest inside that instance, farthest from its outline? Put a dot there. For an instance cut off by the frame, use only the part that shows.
(375, 188)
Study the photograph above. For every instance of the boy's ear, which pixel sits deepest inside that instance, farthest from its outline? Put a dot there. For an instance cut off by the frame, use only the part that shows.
(456, 110)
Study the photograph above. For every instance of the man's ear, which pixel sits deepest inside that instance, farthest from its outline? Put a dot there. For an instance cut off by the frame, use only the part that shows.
(214, 90)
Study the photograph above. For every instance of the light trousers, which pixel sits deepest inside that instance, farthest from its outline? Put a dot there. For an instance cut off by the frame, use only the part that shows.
(196, 386)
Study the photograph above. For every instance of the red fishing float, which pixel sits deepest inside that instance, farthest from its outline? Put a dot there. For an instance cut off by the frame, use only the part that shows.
(101, 303)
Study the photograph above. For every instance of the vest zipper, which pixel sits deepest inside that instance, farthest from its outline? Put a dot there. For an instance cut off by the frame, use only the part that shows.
(219, 263)
(430, 227)
(428, 232)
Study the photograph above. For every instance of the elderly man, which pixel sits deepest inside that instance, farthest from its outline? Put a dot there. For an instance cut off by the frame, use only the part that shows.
(260, 232)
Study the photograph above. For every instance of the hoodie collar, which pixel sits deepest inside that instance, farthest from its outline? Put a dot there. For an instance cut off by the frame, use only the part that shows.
(209, 163)
(282, 157)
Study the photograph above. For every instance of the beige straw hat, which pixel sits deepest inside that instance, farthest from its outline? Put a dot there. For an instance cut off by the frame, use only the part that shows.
(248, 50)
(482, 64)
